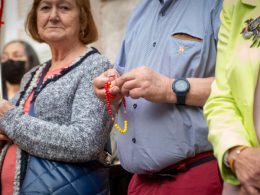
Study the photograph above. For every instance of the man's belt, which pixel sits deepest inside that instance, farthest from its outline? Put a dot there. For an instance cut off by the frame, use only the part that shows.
(185, 165)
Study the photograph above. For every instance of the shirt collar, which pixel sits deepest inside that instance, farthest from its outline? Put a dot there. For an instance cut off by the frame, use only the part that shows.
(251, 2)
(165, 5)
(164, 1)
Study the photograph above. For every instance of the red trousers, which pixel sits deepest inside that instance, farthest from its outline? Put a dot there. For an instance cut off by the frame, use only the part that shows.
(203, 179)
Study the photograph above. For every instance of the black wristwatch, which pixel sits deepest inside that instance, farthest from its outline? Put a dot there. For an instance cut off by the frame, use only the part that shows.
(181, 87)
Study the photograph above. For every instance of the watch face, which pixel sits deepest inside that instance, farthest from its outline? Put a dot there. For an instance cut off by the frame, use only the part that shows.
(181, 86)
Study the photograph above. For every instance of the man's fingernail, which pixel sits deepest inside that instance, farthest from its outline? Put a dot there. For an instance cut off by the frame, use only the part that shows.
(111, 75)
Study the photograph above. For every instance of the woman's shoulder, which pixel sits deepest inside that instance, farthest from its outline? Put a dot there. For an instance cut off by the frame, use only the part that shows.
(95, 61)
(230, 4)
(236, 8)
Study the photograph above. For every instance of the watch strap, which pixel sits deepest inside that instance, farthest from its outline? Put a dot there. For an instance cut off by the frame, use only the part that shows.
(181, 99)
(180, 96)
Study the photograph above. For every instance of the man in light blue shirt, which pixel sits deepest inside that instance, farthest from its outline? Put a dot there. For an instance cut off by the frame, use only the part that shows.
(167, 62)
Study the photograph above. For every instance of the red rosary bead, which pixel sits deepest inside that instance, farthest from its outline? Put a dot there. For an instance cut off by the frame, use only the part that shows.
(109, 97)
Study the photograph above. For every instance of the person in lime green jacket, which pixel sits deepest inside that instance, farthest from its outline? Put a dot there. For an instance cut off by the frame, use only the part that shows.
(233, 108)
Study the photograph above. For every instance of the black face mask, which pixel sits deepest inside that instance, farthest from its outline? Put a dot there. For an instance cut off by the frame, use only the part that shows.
(13, 71)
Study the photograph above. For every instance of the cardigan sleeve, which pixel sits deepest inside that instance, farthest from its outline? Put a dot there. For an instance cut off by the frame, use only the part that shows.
(226, 129)
(27, 76)
(82, 139)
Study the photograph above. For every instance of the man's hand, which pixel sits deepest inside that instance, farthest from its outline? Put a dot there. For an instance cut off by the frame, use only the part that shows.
(247, 169)
(143, 82)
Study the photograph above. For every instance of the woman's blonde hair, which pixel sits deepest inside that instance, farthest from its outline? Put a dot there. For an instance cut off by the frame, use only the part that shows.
(88, 32)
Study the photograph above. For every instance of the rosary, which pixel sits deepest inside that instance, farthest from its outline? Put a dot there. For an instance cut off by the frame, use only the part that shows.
(110, 97)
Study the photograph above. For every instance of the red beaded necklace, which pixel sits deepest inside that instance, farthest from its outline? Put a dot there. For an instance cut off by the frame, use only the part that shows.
(109, 97)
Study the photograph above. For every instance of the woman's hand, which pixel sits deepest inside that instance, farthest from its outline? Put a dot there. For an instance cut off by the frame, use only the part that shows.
(143, 82)
(247, 169)
(243, 191)
(4, 107)
(3, 140)
(3, 137)
(99, 86)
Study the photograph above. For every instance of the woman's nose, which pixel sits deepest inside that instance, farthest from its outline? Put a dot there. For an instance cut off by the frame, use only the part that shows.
(54, 15)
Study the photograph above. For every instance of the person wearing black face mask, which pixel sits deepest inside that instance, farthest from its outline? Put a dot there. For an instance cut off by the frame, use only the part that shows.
(17, 58)
(13, 71)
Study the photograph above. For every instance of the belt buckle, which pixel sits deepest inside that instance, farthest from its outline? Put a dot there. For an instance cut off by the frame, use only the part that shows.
(171, 173)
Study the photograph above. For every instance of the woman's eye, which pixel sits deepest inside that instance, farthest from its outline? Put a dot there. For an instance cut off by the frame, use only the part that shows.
(18, 56)
(64, 8)
(44, 8)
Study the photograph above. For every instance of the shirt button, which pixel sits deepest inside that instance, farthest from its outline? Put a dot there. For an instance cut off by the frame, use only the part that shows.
(134, 140)
(134, 106)
(154, 44)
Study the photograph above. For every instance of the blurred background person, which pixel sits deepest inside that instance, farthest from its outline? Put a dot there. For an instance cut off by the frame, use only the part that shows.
(233, 108)
(56, 115)
(17, 58)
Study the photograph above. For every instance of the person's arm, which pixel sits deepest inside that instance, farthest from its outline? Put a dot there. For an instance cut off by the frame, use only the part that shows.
(3, 138)
(226, 129)
(198, 93)
(81, 140)
(142, 82)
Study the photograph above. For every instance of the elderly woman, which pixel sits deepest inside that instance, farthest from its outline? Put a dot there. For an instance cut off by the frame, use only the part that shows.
(56, 116)
(17, 58)
(233, 109)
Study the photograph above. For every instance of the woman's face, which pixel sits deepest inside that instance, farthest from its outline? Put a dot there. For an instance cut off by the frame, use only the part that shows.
(14, 51)
(58, 20)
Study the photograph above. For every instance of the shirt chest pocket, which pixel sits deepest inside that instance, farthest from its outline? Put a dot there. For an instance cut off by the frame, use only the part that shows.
(184, 52)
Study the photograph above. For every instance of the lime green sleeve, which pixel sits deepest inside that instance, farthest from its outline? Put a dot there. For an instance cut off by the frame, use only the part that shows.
(225, 123)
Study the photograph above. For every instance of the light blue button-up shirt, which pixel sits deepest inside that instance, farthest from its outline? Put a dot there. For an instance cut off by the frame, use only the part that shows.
(161, 134)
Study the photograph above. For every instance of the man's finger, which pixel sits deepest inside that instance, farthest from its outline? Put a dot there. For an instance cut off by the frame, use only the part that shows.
(135, 93)
(114, 90)
(122, 79)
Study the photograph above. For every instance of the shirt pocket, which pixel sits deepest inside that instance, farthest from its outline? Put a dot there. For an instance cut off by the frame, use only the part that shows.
(184, 54)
